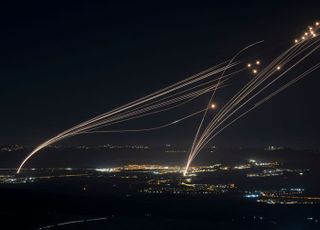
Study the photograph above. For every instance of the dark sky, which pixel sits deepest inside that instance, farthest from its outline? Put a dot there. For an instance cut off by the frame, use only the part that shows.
(65, 63)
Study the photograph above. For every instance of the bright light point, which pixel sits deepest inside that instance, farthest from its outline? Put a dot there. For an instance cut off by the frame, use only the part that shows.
(258, 62)
(213, 106)
(249, 65)
(254, 71)
(303, 37)
(306, 34)
(296, 40)
(310, 28)
(278, 67)
(317, 23)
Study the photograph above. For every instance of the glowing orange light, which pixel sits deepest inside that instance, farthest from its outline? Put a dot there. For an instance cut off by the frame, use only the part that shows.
(254, 71)
(258, 62)
(249, 65)
(278, 67)
(213, 106)
(317, 23)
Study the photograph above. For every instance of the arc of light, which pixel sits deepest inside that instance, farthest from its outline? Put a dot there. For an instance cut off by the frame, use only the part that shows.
(252, 97)
(203, 144)
(267, 99)
(79, 128)
(210, 100)
(249, 90)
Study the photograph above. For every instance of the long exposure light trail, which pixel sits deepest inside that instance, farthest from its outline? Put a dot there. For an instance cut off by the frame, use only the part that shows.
(266, 82)
(211, 129)
(251, 91)
(213, 94)
(147, 105)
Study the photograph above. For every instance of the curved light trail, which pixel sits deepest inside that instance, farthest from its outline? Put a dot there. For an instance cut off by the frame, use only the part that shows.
(162, 100)
(263, 80)
(265, 84)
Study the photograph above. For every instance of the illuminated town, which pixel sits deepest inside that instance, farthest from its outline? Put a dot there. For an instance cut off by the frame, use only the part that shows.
(158, 180)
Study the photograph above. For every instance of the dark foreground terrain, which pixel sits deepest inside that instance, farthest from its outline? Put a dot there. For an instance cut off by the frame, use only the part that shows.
(27, 209)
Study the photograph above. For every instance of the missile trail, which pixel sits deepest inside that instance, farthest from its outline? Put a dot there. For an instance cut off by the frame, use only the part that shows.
(251, 91)
(160, 101)
(148, 129)
(267, 82)
(214, 91)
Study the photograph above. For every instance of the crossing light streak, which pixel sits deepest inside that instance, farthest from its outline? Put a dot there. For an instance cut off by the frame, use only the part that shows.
(197, 86)
(247, 98)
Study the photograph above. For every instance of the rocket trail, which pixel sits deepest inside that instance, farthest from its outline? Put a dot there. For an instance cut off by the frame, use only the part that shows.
(148, 129)
(265, 84)
(168, 98)
(267, 77)
(214, 91)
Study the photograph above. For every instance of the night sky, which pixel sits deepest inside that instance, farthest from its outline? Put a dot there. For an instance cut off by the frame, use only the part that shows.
(64, 63)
